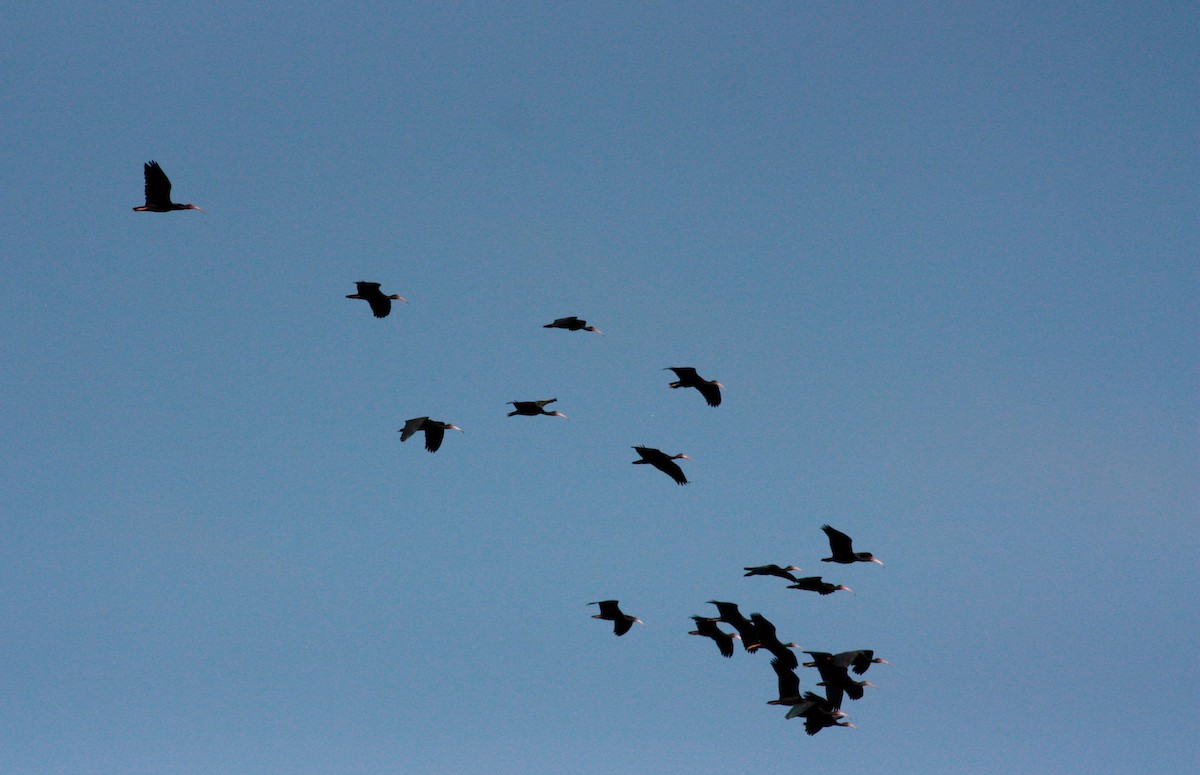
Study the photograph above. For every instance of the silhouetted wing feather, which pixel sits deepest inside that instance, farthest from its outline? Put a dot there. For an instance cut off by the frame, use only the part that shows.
(434, 433)
(158, 186)
(411, 427)
(711, 393)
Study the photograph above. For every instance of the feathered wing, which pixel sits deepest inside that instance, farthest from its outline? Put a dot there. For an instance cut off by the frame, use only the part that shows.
(839, 543)
(411, 427)
(434, 433)
(671, 469)
(711, 393)
(381, 306)
(158, 186)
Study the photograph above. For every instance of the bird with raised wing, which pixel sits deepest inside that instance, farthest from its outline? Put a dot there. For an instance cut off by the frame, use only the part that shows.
(381, 305)
(767, 639)
(707, 627)
(158, 192)
(435, 431)
(842, 549)
(610, 611)
(729, 613)
(534, 408)
(817, 714)
(688, 378)
(663, 462)
(573, 324)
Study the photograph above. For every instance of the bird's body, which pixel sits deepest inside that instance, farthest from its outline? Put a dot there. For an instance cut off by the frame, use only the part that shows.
(158, 192)
(817, 713)
(435, 431)
(381, 305)
(688, 378)
(842, 549)
(663, 462)
(772, 570)
(573, 324)
(816, 584)
(708, 628)
(766, 638)
(610, 611)
(729, 613)
(534, 408)
(859, 660)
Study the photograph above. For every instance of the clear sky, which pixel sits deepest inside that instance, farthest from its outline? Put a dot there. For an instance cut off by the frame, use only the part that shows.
(943, 256)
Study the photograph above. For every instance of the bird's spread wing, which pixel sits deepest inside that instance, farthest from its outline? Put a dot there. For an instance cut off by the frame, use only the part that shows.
(158, 186)
(684, 373)
(622, 625)
(381, 305)
(711, 393)
(365, 287)
(839, 542)
(671, 469)
(434, 433)
(789, 682)
(411, 427)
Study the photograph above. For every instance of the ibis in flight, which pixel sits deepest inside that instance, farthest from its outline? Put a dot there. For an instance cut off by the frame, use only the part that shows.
(688, 378)
(815, 584)
(158, 192)
(663, 462)
(434, 430)
(534, 408)
(707, 627)
(610, 611)
(380, 305)
(773, 570)
(573, 324)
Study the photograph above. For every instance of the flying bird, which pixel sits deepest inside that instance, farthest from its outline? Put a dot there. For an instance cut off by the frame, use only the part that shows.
(158, 192)
(817, 714)
(772, 570)
(836, 678)
(380, 305)
(573, 324)
(708, 628)
(767, 639)
(435, 431)
(859, 660)
(789, 684)
(534, 408)
(815, 584)
(729, 613)
(688, 378)
(663, 462)
(609, 611)
(843, 551)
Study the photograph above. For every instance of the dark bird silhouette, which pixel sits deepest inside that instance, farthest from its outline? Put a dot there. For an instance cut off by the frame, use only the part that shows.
(158, 192)
(688, 378)
(861, 660)
(843, 551)
(729, 613)
(380, 305)
(815, 584)
(663, 462)
(836, 678)
(789, 684)
(622, 622)
(435, 431)
(772, 570)
(767, 639)
(708, 628)
(817, 714)
(534, 408)
(573, 324)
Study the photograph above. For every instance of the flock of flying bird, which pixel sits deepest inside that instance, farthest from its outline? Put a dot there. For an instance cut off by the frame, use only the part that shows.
(757, 632)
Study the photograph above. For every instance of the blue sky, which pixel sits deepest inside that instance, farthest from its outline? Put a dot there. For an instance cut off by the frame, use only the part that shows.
(943, 257)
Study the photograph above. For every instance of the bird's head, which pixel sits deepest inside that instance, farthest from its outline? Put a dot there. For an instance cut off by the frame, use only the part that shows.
(880, 661)
(594, 330)
(559, 414)
(793, 567)
(398, 297)
(192, 207)
(680, 456)
(873, 558)
(450, 427)
(846, 588)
